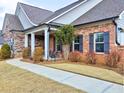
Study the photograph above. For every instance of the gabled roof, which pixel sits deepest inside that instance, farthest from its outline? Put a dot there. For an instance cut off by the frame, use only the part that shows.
(13, 22)
(62, 10)
(35, 14)
(104, 10)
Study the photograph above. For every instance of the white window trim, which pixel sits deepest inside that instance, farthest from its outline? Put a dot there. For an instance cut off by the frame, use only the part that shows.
(73, 46)
(57, 47)
(97, 43)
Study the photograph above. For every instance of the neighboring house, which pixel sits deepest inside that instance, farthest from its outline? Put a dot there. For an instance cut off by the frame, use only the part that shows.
(99, 27)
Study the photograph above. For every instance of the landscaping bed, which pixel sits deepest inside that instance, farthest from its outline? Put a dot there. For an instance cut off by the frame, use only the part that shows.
(15, 80)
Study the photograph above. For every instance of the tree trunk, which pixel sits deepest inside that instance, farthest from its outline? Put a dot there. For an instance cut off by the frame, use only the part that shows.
(66, 49)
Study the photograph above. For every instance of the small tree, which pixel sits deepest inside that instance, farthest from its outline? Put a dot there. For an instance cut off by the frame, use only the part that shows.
(5, 51)
(65, 34)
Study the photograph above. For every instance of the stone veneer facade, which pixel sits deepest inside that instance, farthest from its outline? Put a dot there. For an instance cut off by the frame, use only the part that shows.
(102, 26)
(18, 44)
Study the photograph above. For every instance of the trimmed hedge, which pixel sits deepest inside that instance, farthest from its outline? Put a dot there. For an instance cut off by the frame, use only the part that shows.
(5, 51)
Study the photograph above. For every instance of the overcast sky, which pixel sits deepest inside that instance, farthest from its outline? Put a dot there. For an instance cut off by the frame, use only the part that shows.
(9, 6)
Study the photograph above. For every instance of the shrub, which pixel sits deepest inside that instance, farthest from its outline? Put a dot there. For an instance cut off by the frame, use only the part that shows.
(91, 58)
(0, 55)
(26, 53)
(75, 56)
(112, 59)
(120, 67)
(5, 51)
(38, 54)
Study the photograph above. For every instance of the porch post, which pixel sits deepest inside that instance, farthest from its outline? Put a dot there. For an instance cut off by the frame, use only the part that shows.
(32, 43)
(46, 43)
(73, 46)
(26, 40)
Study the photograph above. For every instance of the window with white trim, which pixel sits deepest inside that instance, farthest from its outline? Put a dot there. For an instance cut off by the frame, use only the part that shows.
(99, 42)
(77, 44)
(58, 46)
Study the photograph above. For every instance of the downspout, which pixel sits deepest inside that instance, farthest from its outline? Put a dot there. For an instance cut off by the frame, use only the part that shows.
(116, 32)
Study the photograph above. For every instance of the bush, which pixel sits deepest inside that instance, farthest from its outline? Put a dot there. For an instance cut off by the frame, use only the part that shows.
(5, 51)
(112, 59)
(0, 55)
(26, 53)
(120, 67)
(38, 54)
(91, 58)
(75, 56)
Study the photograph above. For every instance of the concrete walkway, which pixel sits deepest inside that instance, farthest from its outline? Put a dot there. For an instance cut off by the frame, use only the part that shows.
(90, 85)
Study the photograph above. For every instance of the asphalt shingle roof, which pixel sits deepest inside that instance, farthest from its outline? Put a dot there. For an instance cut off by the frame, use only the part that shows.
(35, 14)
(62, 10)
(104, 10)
(14, 22)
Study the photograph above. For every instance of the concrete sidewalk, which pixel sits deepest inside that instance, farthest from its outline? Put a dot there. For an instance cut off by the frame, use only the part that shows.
(90, 85)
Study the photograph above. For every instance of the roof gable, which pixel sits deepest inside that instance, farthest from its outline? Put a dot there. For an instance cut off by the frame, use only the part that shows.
(35, 14)
(12, 22)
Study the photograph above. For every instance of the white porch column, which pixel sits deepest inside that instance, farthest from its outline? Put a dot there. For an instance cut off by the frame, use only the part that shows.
(46, 43)
(73, 45)
(26, 40)
(32, 43)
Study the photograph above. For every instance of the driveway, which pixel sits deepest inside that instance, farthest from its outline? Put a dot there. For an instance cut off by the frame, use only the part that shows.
(90, 85)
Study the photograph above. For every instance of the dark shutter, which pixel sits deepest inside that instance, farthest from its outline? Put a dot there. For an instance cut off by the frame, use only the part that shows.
(91, 42)
(71, 45)
(106, 42)
(81, 43)
(60, 46)
(54, 46)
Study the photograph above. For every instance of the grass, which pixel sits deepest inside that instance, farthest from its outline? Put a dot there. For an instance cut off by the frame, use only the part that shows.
(99, 73)
(15, 80)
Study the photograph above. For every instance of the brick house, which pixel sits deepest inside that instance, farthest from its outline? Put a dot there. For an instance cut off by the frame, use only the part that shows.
(99, 27)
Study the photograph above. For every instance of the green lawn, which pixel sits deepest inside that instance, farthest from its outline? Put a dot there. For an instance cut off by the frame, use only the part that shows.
(15, 80)
(95, 72)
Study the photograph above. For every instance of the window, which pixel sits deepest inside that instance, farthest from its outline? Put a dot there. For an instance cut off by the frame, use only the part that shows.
(58, 46)
(99, 42)
(77, 44)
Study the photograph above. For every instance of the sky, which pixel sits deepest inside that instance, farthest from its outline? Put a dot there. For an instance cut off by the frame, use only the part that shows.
(9, 6)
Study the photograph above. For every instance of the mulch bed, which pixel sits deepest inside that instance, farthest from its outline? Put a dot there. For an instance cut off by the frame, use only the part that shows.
(76, 63)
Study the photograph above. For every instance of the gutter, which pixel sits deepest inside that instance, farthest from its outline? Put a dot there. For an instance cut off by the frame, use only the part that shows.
(95, 21)
(33, 27)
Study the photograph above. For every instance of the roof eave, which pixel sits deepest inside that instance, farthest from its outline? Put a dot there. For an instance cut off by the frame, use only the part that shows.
(96, 21)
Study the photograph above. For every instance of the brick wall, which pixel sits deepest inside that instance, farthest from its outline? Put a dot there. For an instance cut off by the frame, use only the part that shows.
(105, 26)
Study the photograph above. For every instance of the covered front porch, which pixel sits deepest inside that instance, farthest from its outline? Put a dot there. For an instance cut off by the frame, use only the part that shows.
(44, 37)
